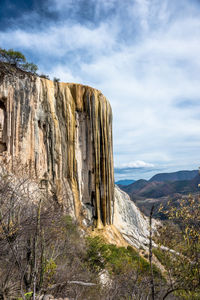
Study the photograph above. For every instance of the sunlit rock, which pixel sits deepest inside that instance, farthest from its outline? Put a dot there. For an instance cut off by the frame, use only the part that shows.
(63, 133)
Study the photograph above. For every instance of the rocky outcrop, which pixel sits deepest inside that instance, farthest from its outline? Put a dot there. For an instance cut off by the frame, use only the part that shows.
(128, 219)
(63, 132)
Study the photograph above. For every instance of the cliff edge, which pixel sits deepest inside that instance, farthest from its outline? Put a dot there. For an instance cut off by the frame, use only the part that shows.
(63, 132)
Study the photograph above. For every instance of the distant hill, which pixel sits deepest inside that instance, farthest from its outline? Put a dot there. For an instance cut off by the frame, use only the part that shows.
(125, 182)
(135, 186)
(156, 189)
(144, 193)
(174, 176)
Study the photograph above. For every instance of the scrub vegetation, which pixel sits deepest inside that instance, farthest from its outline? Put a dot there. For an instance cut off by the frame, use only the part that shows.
(43, 251)
(179, 251)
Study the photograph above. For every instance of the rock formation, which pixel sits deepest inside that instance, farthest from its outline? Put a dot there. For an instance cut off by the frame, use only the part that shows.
(63, 132)
(128, 219)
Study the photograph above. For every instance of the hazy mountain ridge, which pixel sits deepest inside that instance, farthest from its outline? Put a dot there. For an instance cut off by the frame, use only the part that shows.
(144, 193)
(160, 189)
(125, 182)
(175, 176)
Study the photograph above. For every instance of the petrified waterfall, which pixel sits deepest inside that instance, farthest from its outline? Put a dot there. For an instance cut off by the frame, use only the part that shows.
(63, 131)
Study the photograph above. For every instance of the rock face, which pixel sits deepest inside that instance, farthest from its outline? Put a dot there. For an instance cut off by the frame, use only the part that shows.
(129, 221)
(63, 132)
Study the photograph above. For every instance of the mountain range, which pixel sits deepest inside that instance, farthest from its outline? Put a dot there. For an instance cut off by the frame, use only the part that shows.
(175, 176)
(125, 182)
(161, 188)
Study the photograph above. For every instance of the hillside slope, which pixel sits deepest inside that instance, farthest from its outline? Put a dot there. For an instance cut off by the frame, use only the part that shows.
(145, 193)
(175, 176)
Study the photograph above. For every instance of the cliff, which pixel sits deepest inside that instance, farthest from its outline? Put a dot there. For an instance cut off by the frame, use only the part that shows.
(63, 132)
(130, 222)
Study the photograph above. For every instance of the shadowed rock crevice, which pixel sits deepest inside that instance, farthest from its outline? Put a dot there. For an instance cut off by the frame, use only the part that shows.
(3, 125)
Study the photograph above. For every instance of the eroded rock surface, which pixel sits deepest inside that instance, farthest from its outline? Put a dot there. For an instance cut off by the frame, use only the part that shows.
(128, 219)
(63, 132)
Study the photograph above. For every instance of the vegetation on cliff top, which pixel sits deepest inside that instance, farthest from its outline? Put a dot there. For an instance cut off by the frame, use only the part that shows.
(17, 59)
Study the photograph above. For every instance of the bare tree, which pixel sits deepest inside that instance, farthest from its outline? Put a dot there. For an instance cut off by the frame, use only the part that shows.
(150, 254)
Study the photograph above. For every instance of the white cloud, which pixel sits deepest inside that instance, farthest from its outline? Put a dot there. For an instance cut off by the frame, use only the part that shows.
(135, 165)
(58, 40)
(142, 10)
(145, 58)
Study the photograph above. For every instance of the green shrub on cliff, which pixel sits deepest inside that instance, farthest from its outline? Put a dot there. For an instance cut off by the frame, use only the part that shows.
(12, 57)
(17, 59)
(29, 67)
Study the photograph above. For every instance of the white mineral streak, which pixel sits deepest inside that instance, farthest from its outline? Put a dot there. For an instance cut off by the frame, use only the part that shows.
(128, 219)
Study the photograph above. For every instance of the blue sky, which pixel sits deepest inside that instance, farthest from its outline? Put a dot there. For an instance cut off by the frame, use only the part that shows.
(144, 55)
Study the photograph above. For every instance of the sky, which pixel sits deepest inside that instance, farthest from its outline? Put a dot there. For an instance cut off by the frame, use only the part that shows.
(144, 55)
